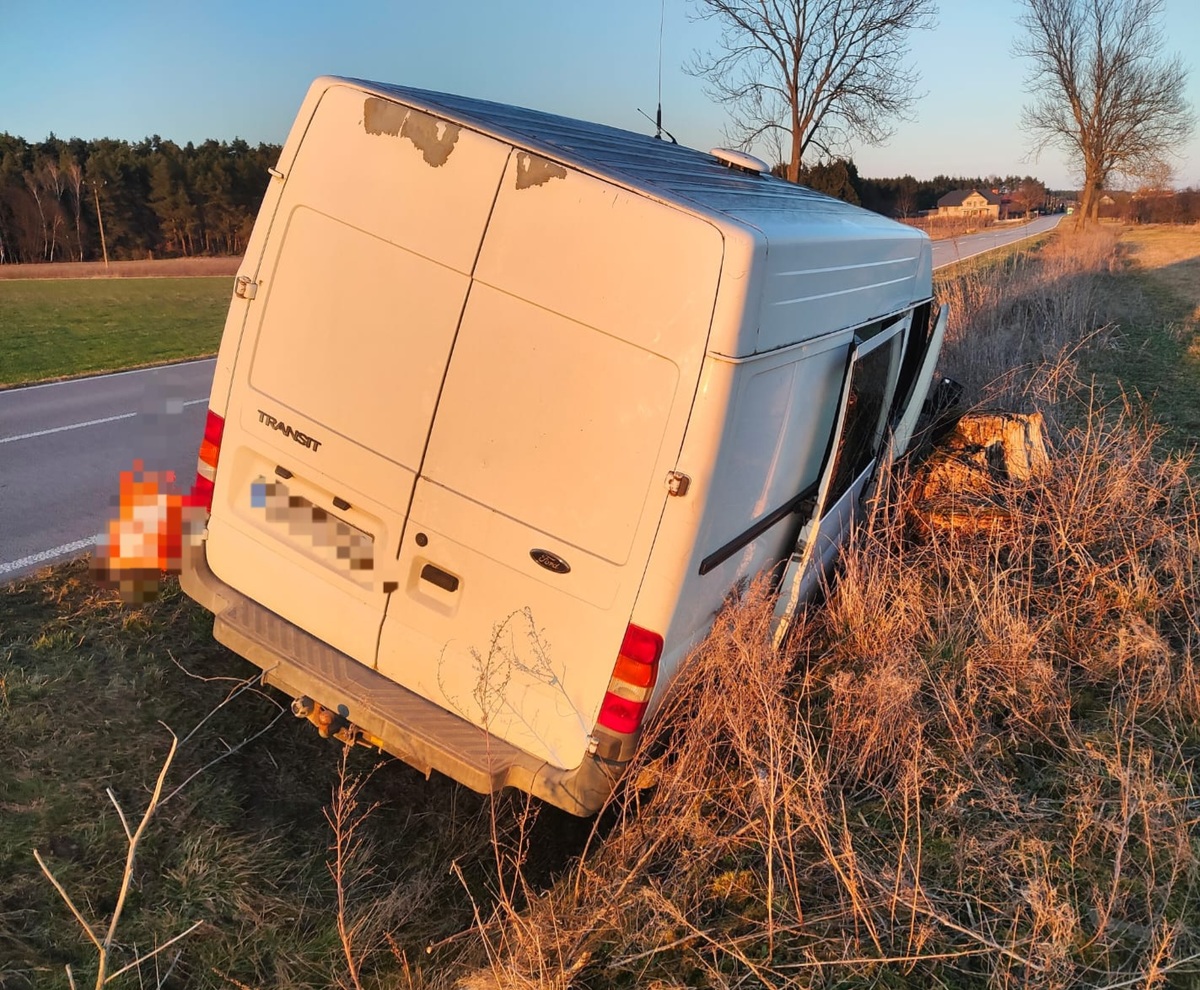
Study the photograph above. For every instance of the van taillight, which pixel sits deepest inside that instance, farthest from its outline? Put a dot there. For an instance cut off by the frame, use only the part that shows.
(632, 681)
(206, 463)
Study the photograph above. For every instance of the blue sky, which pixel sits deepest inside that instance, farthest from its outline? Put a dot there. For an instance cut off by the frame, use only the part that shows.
(189, 71)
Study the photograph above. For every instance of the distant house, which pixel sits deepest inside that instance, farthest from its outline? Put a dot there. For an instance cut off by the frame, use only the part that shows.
(981, 203)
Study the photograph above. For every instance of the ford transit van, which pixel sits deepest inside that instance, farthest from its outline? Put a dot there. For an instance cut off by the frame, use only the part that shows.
(507, 403)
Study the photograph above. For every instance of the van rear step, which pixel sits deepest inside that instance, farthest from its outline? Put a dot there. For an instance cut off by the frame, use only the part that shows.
(433, 738)
(417, 731)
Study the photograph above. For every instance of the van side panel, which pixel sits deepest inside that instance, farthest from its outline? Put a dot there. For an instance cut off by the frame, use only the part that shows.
(775, 436)
(759, 439)
(830, 282)
(816, 279)
(563, 411)
(760, 435)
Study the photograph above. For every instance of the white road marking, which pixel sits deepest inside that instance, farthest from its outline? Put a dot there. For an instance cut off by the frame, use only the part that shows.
(59, 429)
(109, 374)
(90, 422)
(46, 555)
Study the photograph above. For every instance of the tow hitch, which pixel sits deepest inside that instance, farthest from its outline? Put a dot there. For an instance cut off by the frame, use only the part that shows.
(333, 724)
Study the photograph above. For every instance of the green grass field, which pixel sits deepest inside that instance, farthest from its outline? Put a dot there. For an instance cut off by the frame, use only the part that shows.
(55, 328)
(1156, 353)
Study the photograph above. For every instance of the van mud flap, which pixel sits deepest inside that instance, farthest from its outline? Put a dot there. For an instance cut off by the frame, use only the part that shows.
(415, 730)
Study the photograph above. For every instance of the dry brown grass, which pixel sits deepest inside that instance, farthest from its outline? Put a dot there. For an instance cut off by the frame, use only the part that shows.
(1032, 310)
(972, 766)
(943, 228)
(163, 268)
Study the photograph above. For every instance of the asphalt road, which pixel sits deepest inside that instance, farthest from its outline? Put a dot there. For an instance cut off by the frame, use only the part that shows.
(64, 445)
(956, 249)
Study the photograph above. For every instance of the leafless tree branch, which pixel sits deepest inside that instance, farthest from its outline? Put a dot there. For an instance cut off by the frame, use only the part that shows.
(823, 72)
(1102, 90)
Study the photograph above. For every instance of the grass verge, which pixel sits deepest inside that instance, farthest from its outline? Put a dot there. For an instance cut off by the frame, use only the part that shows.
(87, 687)
(974, 766)
(1155, 353)
(59, 328)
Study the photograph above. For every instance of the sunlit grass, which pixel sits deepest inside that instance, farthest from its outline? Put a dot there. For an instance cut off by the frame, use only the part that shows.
(60, 327)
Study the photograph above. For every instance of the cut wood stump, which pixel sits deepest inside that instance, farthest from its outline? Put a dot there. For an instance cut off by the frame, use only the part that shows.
(958, 489)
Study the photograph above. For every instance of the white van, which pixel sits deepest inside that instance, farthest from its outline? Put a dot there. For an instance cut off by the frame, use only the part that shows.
(507, 403)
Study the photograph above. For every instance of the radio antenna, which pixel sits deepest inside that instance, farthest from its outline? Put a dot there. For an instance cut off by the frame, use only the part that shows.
(662, 18)
(658, 127)
(670, 136)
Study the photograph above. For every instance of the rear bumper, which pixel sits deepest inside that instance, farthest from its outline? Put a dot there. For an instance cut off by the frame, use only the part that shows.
(417, 731)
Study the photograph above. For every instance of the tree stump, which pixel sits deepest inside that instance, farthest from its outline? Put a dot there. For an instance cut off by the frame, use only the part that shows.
(958, 488)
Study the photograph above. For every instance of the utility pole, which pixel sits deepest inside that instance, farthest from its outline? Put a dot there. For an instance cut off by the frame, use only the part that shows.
(100, 219)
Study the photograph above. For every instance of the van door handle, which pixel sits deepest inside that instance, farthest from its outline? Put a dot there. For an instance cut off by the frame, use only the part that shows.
(441, 579)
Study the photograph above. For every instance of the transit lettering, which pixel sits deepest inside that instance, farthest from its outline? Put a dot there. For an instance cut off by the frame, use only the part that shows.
(303, 439)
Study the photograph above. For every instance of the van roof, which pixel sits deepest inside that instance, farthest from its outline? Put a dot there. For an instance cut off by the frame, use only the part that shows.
(658, 168)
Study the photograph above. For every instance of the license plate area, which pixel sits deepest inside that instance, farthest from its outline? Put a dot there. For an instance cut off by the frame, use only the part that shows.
(312, 529)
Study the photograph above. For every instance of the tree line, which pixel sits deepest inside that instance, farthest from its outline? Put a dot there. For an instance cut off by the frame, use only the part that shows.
(905, 196)
(79, 200)
(160, 199)
(1153, 201)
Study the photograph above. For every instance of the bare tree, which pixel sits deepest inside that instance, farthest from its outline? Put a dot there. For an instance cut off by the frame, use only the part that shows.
(54, 182)
(906, 196)
(75, 187)
(34, 185)
(1102, 89)
(812, 73)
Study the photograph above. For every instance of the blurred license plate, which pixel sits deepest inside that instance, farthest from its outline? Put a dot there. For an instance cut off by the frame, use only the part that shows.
(330, 538)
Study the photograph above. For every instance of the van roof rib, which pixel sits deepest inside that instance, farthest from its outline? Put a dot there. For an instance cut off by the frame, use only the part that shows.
(659, 168)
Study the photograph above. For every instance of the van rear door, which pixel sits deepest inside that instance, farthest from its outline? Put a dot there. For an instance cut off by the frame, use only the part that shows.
(354, 312)
(563, 412)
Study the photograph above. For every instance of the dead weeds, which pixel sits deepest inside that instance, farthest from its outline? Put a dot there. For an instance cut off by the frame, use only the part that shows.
(975, 762)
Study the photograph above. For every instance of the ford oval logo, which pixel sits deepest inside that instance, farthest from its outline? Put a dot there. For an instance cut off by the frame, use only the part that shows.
(550, 561)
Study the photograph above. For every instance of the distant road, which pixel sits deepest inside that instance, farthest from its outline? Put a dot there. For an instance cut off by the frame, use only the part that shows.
(955, 249)
(64, 445)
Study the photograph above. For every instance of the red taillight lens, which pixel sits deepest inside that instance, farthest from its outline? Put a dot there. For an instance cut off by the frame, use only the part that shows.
(214, 429)
(632, 681)
(622, 715)
(202, 492)
(206, 463)
(641, 645)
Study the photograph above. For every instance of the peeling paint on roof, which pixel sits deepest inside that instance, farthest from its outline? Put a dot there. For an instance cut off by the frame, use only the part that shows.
(434, 138)
(533, 170)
